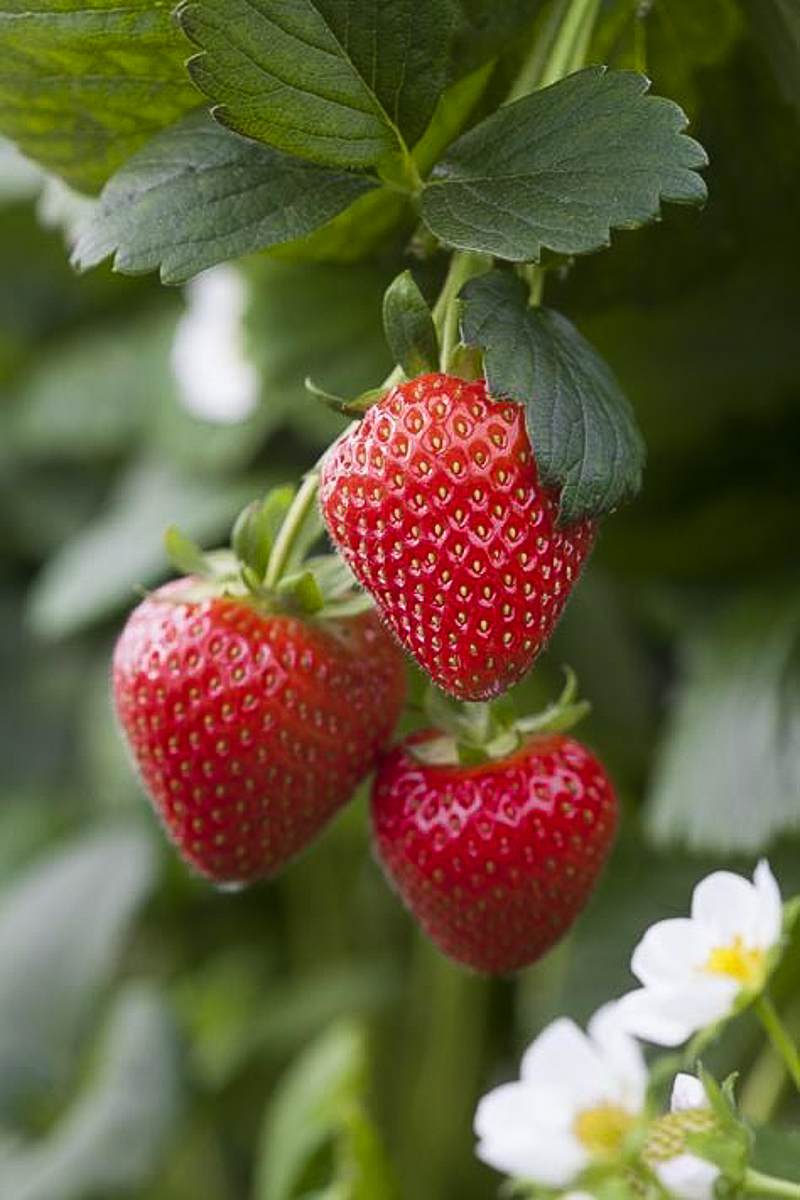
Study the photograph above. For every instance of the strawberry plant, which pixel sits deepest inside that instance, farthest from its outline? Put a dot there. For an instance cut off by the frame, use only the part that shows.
(467, 330)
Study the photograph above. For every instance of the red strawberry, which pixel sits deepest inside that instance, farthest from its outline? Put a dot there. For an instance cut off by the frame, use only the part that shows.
(434, 502)
(250, 729)
(496, 860)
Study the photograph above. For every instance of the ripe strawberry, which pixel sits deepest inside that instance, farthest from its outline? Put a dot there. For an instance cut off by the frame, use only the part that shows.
(250, 730)
(435, 504)
(497, 859)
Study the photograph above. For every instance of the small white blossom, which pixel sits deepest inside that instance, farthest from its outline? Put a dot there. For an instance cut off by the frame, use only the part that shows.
(686, 1175)
(216, 381)
(577, 1097)
(694, 969)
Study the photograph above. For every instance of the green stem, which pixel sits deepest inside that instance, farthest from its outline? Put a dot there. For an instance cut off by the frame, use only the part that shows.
(530, 75)
(302, 505)
(769, 1185)
(761, 1091)
(561, 59)
(445, 311)
(780, 1038)
(583, 38)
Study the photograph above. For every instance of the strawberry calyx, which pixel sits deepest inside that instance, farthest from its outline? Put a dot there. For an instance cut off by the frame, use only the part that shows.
(473, 733)
(268, 564)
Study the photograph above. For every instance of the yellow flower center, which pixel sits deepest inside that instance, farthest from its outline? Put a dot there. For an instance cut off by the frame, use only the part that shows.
(602, 1129)
(737, 962)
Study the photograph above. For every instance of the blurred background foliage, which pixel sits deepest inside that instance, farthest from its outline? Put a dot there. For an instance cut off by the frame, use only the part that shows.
(160, 1039)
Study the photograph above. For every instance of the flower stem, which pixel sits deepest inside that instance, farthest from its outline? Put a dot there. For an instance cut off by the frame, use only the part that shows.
(780, 1038)
(302, 506)
(769, 1185)
(575, 32)
(445, 311)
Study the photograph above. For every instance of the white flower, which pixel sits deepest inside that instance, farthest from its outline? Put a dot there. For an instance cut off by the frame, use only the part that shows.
(215, 379)
(694, 969)
(684, 1174)
(577, 1097)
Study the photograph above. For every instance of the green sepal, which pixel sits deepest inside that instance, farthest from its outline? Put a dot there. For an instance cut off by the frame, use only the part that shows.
(561, 715)
(257, 527)
(409, 327)
(473, 733)
(185, 555)
(345, 408)
(728, 1146)
(303, 590)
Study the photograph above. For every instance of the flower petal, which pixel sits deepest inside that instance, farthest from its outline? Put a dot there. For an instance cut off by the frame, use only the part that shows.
(728, 905)
(687, 1093)
(640, 1014)
(688, 1177)
(769, 916)
(622, 1056)
(520, 1133)
(668, 950)
(563, 1057)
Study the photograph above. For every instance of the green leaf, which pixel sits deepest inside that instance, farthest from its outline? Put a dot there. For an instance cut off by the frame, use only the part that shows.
(84, 82)
(581, 426)
(409, 327)
(100, 569)
(115, 1133)
(198, 194)
(58, 946)
(727, 777)
(563, 167)
(317, 1108)
(344, 84)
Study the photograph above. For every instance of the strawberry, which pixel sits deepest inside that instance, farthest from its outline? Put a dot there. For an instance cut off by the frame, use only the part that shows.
(495, 859)
(434, 502)
(250, 723)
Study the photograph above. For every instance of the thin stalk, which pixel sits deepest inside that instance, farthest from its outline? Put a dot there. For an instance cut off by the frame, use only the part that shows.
(445, 311)
(530, 75)
(780, 1037)
(761, 1092)
(756, 1183)
(296, 517)
(561, 58)
(583, 38)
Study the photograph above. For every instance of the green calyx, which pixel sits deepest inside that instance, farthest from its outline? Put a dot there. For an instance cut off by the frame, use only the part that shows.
(471, 734)
(269, 564)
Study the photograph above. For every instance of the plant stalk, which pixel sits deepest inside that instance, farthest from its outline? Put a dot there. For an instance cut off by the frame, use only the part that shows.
(296, 517)
(769, 1185)
(780, 1038)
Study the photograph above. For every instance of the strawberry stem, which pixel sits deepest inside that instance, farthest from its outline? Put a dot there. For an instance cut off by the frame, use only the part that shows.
(303, 507)
(463, 266)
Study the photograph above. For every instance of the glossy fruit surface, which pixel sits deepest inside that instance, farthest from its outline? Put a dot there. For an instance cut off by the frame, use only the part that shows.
(249, 730)
(495, 861)
(434, 502)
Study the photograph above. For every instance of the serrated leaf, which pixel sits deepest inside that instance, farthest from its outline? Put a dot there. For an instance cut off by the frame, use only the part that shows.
(84, 82)
(118, 1128)
(58, 947)
(409, 327)
(343, 84)
(727, 775)
(563, 167)
(197, 195)
(582, 428)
